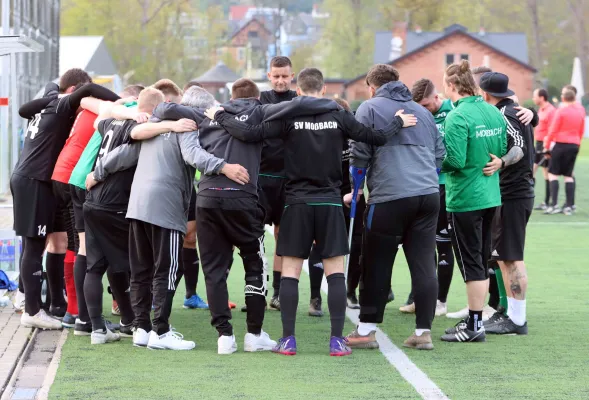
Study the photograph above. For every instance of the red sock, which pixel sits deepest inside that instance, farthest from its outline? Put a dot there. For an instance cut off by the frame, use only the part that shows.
(70, 287)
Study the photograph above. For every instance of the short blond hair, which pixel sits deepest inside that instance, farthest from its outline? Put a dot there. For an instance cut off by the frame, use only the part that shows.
(168, 88)
(149, 98)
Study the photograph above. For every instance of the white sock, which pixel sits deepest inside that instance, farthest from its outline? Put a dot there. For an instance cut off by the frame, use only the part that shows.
(516, 310)
(364, 328)
(419, 332)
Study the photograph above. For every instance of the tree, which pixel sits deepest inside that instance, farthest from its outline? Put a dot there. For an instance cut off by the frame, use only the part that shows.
(348, 37)
(303, 56)
(150, 39)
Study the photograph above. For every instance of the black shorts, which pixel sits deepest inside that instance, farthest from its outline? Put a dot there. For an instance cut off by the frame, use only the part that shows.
(35, 207)
(302, 224)
(78, 199)
(443, 228)
(192, 207)
(63, 215)
(509, 229)
(272, 198)
(540, 158)
(472, 239)
(563, 157)
(107, 239)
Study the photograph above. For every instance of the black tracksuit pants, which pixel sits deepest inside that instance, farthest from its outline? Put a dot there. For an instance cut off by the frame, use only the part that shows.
(223, 223)
(412, 222)
(155, 255)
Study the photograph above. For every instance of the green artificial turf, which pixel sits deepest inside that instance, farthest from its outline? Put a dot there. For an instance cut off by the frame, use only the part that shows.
(552, 362)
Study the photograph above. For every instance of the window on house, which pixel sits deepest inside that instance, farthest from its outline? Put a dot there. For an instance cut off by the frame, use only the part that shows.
(465, 57)
(252, 34)
(449, 59)
(241, 54)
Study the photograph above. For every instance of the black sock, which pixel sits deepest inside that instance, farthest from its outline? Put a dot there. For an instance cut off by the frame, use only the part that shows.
(569, 188)
(336, 302)
(289, 301)
(276, 282)
(475, 320)
(191, 266)
(493, 291)
(32, 273)
(547, 192)
(554, 192)
(445, 269)
(54, 267)
(93, 295)
(79, 277)
(315, 273)
(119, 283)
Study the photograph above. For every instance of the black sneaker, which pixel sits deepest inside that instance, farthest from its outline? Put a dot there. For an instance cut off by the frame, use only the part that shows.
(126, 330)
(497, 317)
(112, 326)
(315, 307)
(244, 308)
(353, 301)
(69, 320)
(275, 303)
(507, 327)
(391, 296)
(58, 312)
(463, 334)
(82, 328)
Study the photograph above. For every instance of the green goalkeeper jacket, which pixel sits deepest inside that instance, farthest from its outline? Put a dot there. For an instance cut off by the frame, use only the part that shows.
(474, 129)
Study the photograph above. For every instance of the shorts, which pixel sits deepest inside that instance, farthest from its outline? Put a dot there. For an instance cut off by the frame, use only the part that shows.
(35, 207)
(472, 240)
(272, 198)
(192, 206)
(443, 227)
(302, 224)
(64, 212)
(78, 199)
(540, 158)
(563, 157)
(509, 229)
(107, 239)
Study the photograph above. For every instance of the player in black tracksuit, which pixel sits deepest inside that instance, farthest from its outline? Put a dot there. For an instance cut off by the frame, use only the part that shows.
(511, 218)
(313, 211)
(107, 235)
(37, 211)
(271, 184)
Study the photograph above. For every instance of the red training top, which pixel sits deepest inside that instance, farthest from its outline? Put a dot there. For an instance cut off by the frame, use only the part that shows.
(545, 115)
(80, 135)
(568, 125)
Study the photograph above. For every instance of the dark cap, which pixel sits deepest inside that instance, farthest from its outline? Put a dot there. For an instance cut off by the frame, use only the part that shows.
(496, 84)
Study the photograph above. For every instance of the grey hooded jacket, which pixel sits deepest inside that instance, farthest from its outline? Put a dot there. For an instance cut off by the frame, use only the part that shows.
(405, 166)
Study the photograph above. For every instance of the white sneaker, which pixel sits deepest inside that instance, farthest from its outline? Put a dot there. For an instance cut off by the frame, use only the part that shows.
(441, 308)
(170, 340)
(488, 312)
(259, 342)
(41, 320)
(19, 301)
(102, 337)
(458, 314)
(226, 345)
(140, 337)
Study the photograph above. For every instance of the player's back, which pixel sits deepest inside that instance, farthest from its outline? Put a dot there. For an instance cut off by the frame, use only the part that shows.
(44, 139)
(162, 186)
(113, 193)
(313, 154)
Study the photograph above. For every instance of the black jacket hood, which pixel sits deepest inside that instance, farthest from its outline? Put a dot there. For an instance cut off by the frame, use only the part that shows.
(238, 106)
